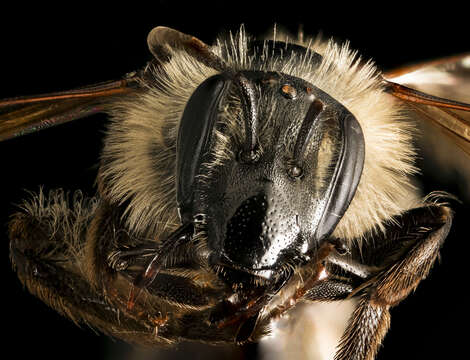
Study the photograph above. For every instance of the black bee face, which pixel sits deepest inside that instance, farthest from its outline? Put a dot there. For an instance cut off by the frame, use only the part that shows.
(267, 165)
(284, 192)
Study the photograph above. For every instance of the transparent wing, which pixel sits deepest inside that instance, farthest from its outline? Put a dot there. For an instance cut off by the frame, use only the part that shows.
(23, 115)
(439, 93)
(445, 78)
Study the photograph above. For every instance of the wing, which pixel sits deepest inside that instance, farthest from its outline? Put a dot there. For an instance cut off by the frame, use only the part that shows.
(27, 114)
(440, 91)
(439, 94)
(22, 115)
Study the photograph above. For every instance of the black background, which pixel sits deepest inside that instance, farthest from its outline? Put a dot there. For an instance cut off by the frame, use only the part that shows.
(62, 47)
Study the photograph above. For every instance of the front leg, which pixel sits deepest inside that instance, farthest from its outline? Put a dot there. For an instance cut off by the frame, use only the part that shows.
(404, 257)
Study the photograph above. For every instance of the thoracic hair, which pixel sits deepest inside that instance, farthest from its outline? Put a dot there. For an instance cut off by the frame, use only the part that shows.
(139, 156)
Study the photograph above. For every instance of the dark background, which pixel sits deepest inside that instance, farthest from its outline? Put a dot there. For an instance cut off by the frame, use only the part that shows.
(50, 49)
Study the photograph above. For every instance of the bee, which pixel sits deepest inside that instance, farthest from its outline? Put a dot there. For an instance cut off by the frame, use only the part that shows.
(237, 182)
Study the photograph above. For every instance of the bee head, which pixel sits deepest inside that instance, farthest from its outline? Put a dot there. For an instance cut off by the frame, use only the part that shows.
(293, 175)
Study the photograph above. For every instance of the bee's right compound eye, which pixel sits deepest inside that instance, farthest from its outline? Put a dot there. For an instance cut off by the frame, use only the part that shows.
(194, 135)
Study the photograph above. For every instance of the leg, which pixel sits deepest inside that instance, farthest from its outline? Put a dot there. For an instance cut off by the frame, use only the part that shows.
(46, 242)
(169, 271)
(253, 326)
(421, 233)
(51, 242)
